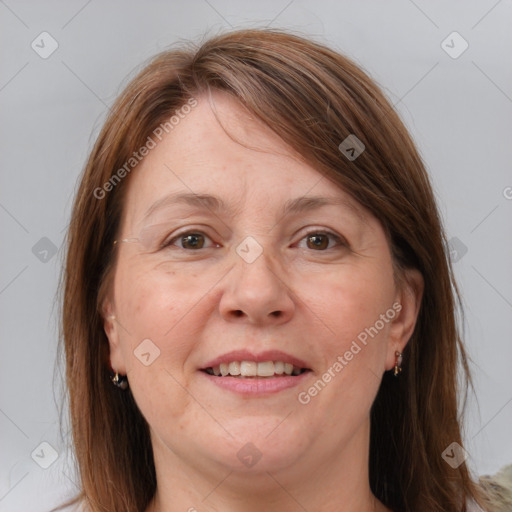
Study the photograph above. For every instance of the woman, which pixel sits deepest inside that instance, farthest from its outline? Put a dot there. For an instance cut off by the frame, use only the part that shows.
(259, 312)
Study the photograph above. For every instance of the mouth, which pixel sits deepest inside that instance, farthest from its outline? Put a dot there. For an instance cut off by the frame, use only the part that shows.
(253, 370)
(251, 374)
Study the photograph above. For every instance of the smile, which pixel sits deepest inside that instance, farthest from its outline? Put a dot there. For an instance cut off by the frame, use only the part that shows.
(253, 369)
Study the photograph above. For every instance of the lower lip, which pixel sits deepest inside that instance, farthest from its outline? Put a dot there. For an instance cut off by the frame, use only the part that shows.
(252, 386)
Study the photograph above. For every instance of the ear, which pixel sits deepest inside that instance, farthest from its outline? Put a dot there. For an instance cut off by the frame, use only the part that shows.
(407, 306)
(111, 327)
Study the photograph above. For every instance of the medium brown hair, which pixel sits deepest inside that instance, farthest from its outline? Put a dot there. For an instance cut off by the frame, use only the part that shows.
(314, 98)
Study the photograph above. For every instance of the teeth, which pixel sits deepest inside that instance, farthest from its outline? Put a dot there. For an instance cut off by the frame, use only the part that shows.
(248, 369)
(234, 368)
(254, 369)
(266, 369)
(279, 367)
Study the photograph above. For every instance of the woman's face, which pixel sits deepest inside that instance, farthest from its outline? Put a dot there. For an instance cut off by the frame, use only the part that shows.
(249, 255)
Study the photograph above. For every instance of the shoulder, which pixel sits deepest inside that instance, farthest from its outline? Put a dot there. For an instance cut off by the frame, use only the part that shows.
(497, 491)
(473, 507)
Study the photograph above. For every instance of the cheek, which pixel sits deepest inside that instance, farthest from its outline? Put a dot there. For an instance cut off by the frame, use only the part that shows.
(160, 315)
(140, 319)
(169, 306)
(153, 301)
(350, 299)
(354, 306)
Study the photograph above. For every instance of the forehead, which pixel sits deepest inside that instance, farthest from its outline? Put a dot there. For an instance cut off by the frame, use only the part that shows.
(200, 157)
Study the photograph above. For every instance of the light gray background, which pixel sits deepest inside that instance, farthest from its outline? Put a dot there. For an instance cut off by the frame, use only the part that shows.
(458, 110)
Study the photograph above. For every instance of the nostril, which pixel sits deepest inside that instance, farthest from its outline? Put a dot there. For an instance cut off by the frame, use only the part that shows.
(239, 313)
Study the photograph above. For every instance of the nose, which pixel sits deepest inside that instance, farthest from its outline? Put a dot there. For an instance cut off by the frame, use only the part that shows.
(256, 293)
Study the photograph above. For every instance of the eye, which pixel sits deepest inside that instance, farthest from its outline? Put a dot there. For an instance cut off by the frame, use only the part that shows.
(321, 240)
(195, 240)
(192, 240)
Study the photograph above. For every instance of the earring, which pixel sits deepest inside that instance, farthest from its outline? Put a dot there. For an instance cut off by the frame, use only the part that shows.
(119, 381)
(398, 363)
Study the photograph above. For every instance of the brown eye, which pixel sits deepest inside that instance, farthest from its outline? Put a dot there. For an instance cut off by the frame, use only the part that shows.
(190, 241)
(318, 241)
(193, 241)
(323, 241)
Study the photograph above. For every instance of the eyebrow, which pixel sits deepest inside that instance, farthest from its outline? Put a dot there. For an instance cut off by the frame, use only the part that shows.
(200, 201)
(308, 203)
(216, 204)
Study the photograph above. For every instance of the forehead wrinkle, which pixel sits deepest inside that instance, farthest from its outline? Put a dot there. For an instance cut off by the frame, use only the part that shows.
(217, 205)
(200, 201)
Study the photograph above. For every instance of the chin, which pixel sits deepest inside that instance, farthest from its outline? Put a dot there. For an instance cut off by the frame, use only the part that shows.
(258, 450)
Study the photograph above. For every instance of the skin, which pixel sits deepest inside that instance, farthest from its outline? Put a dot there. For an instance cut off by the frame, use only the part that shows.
(196, 304)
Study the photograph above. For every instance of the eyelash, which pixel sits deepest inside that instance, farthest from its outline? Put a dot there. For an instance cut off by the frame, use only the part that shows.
(340, 241)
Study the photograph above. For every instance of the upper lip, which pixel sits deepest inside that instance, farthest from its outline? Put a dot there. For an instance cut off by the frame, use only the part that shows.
(246, 355)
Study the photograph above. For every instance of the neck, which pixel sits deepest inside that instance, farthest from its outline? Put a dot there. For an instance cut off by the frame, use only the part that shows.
(335, 482)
